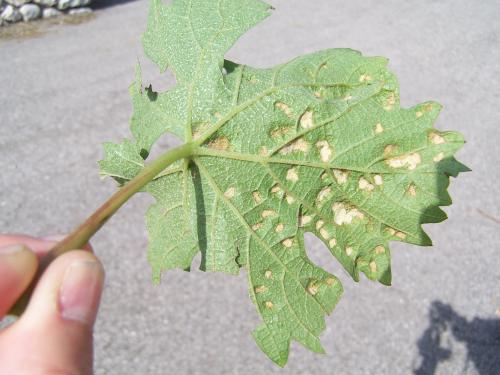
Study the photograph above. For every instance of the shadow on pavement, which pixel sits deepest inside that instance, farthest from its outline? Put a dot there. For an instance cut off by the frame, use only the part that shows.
(446, 327)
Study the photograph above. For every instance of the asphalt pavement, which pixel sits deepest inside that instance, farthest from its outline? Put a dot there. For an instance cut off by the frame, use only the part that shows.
(63, 91)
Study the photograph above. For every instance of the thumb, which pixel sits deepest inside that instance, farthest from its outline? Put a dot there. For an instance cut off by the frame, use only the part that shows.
(17, 268)
(54, 335)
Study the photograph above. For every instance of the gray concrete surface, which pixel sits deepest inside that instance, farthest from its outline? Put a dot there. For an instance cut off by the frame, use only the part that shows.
(65, 91)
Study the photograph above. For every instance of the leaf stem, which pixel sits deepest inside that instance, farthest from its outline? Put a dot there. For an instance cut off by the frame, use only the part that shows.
(83, 233)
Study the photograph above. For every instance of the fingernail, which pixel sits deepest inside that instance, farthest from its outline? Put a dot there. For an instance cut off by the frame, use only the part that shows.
(80, 291)
(11, 249)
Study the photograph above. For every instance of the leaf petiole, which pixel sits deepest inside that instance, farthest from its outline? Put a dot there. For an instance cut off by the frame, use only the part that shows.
(84, 232)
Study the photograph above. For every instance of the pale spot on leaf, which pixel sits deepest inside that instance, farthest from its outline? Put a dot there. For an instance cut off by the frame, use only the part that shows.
(261, 289)
(312, 288)
(279, 228)
(436, 139)
(344, 215)
(221, 143)
(325, 151)
(365, 78)
(291, 175)
(330, 281)
(269, 305)
(299, 145)
(324, 193)
(378, 179)
(287, 242)
(289, 199)
(230, 192)
(200, 129)
(419, 114)
(279, 132)
(395, 233)
(268, 213)
(306, 120)
(332, 242)
(324, 233)
(263, 151)
(340, 176)
(319, 224)
(438, 157)
(284, 108)
(379, 128)
(389, 149)
(401, 235)
(347, 97)
(373, 266)
(256, 197)
(304, 220)
(412, 190)
(256, 226)
(390, 101)
(379, 249)
(349, 250)
(365, 185)
(268, 274)
(276, 189)
(409, 161)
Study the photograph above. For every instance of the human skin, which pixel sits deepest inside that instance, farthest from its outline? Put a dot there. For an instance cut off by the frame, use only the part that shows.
(54, 334)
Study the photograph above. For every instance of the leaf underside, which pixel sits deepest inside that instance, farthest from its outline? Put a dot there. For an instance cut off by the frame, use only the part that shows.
(319, 144)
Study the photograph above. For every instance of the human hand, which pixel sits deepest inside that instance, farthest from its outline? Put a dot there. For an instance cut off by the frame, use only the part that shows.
(54, 334)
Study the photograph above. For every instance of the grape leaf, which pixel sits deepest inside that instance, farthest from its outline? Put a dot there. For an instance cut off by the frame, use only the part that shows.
(319, 144)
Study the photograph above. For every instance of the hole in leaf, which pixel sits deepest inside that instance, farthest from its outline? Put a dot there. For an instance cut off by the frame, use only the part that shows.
(153, 79)
(162, 145)
(320, 255)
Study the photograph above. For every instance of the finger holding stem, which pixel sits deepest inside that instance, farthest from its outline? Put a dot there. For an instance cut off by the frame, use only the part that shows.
(83, 233)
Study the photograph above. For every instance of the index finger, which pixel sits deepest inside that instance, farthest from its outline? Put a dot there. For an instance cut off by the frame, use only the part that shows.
(40, 246)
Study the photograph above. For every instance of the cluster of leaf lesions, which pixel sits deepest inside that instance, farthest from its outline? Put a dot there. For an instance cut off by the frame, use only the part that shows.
(321, 145)
(317, 145)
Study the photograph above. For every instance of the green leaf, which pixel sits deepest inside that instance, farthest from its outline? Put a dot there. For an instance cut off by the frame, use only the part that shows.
(319, 144)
